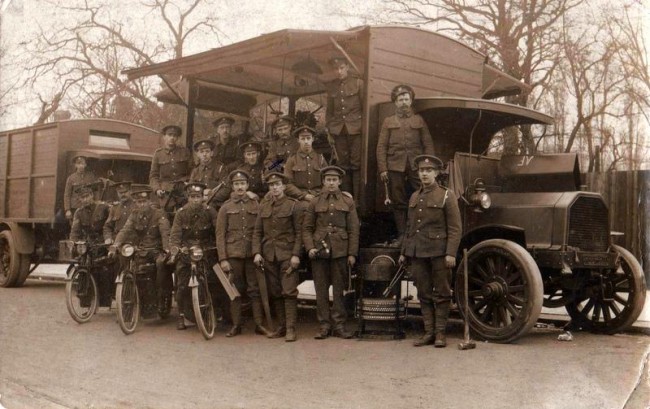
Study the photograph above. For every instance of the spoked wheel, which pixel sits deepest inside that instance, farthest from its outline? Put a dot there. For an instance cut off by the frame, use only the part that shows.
(128, 304)
(610, 303)
(505, 290)
(203, 310)
(81, 295)
(14, 267)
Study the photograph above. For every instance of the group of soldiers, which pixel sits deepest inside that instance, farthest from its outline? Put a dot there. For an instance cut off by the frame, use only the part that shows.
(265, 213)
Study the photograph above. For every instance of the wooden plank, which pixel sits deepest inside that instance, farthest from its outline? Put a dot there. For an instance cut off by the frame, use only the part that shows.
(44, 189)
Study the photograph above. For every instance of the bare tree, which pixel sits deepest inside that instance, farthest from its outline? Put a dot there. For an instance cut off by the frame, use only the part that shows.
(520, 36)
(83, 58)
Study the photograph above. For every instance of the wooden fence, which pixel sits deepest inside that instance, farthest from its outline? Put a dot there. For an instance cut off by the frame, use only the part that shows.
(627, 195)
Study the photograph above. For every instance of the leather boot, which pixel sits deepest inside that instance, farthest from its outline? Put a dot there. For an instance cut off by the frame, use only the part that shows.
(442, 313)
(291, 307)
(258, 317)
(400, 224)
(281, 330)
(235, 314)
(180, 322)
(427, 316)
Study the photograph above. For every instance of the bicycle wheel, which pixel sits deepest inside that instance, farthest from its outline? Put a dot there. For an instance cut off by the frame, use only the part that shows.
(203, 311)
(128, 304)
(81, 295)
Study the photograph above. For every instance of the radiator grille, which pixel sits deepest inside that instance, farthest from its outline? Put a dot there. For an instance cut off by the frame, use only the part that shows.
(589, 224)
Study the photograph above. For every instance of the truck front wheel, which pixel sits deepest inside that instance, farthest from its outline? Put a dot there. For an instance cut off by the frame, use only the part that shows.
(505, 290)
(14, 267)
(610, 303)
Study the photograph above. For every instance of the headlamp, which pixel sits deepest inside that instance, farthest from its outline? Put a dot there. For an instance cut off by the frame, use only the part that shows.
(196, 253)
(480, 199)
(127, 250)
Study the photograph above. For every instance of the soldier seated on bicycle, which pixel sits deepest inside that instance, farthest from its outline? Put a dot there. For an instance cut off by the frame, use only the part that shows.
(194, 225)
(148, 228)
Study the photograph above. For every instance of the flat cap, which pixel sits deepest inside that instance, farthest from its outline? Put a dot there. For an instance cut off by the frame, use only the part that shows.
(428, 161)
(76, 157)
(284, 119)
(401, 89)
(195, 188)
(332, 170)
(203, 143)
(338, 59)
(274, 177)
(223, 119)
(238, 174)
(304, 129)
(85, 188)
(172, 130)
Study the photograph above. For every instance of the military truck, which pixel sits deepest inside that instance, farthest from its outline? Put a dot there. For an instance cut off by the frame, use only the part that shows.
(533, 236)
(34, 164)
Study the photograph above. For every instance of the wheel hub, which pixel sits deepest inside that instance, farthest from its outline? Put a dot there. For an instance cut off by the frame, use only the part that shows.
(495, 289)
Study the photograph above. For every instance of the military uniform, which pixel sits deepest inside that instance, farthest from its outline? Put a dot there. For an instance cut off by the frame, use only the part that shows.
(303, 170)
(256, 182)
(434, 231)
(278, 237)
(344, 113)
(149, 229)
(235, 225)
(213, 174)
(403, 136)
(88, 222)
(195, 225)
(117, 218)
(331, 220)
(70, 197)
(279, 151)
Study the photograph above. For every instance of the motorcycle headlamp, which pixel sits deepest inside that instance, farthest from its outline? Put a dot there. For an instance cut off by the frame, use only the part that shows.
(196, 253)
(81, 247)
(127, 250)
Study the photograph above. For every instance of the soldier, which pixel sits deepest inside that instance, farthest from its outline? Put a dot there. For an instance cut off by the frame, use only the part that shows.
(212, 173)
(89, 218)
(403, 136)
(119, 212)
(235, 225)
(282, 147)
(253, 166)
(226, 145)
(148, 228)
(432, 238)
(170, 164)
(194, 224)
(276, 244)
(330, 233)
(303, 168)
(81, 176)
(344, 113)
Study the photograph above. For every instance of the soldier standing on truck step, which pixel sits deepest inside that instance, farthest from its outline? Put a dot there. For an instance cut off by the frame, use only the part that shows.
(303, 167)
(330, 233)
(81, 176)
(343, 117)
(235, 225)
(403, 136)
(277, 241)
(212, 173)
(170, 163)
(432, 238)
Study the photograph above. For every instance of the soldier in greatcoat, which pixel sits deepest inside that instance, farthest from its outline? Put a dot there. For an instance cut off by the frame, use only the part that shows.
(277, 241)
(195, 224)
(212, 173)
(170, 163)
(432, 238)
(403, 136)
(303, 167)
(235, 225)
(148, 228)
(330, 234)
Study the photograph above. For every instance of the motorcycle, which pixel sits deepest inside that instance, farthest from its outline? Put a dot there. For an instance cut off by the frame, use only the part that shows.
(83, 295)
(136, 292)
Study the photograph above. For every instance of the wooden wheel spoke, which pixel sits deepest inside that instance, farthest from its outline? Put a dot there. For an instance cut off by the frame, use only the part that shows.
(596, 315)
(480, 304)
(620, 299)
(475, 280)
(516, 300)
(489, 261)
(515, 289)
(487, 312)
(607, 316)
(475, 293)
(484, 274)
(614, 307)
